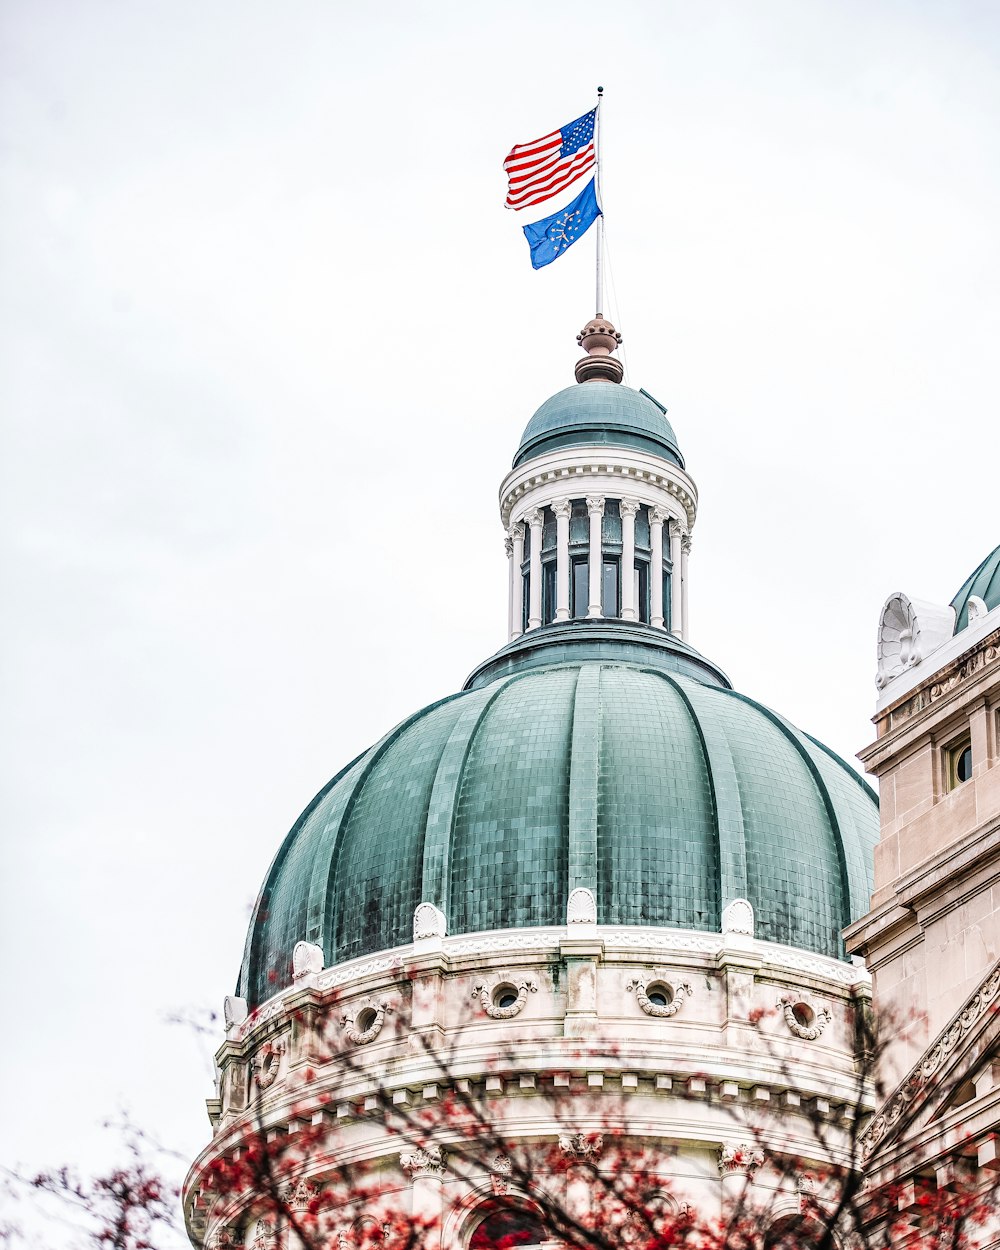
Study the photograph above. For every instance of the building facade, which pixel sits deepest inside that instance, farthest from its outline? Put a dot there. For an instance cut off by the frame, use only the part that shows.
(931, 938)
(596, 895)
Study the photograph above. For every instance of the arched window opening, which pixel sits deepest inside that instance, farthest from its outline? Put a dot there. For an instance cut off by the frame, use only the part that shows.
(796, 1232)
(509, 1228)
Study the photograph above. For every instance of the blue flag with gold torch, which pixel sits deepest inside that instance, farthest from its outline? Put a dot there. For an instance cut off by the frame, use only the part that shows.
(551, 236)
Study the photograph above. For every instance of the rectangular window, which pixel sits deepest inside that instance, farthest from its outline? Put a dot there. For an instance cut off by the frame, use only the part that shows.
(641, 590)
(525, 605)
(666, 600)
(609, 586)
(581, 587)
(548, 592)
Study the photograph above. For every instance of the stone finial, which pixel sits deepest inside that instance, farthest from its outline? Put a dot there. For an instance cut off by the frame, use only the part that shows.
(599, 338)
(234, 1011)
(307, 960)
(738, 918)
(428, 922)
(581, 907)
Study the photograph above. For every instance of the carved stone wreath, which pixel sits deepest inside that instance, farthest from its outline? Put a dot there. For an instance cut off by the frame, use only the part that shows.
(266, 1062)
(802, 1018)
(675, 997)
(491, 994)
(369, 1013)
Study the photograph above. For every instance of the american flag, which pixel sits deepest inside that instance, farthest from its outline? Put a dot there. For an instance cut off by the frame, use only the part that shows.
(541, 169)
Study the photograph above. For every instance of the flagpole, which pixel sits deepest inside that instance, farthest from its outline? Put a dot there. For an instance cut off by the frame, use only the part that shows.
(600, 220)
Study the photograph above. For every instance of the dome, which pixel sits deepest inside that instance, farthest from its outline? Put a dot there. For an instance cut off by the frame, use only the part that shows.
(984, 582)
(646, 780)
(596, 413)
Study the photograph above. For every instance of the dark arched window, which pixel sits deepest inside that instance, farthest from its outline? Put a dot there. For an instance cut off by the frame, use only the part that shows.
(507, 1228)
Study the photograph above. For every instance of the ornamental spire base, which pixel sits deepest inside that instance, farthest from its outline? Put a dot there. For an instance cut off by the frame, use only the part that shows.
(599, 338)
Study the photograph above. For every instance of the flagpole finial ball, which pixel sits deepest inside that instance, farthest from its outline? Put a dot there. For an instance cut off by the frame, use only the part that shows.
(599, 338)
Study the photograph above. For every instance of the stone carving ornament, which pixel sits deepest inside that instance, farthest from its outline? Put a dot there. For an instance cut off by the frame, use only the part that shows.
(363, 1023)
(492, 997)
(802, 1018)
(266, 1062)
(500, 1170)
(745, 1157)
(426, 1161)
(884, 1124)
(581, 907)
(428, 922)
(307, 960)
(580, 1146)
(675, 995)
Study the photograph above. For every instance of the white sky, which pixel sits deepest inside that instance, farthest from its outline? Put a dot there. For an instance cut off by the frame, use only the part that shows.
(268, 343)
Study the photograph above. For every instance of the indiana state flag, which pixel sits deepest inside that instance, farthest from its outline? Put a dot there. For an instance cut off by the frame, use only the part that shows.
(551, 236)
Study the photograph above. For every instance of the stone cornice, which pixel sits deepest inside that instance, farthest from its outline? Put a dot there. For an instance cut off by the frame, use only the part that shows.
(648, 478)
(919, 895)
(464, 952)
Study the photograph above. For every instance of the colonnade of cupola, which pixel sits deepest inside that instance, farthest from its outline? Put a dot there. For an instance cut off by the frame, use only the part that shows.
(598, 508)
(570, 558)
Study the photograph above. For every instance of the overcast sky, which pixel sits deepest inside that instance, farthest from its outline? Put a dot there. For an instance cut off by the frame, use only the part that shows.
(269, 340)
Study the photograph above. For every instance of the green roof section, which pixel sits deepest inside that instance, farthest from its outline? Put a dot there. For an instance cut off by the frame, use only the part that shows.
(603, 414)
(663, 791)
(984, 582)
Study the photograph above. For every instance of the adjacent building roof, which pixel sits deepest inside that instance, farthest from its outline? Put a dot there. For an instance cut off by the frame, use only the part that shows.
(984, 581)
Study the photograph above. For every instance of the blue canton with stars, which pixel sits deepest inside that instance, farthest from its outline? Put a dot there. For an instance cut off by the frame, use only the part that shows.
(551, 236)
(578, 134)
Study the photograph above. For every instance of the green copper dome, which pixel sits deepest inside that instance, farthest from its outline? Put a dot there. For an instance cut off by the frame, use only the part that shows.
(984, 582)
(635, 772)
(595, 413)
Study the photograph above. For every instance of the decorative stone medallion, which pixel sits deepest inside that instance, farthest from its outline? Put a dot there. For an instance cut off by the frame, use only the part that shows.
(658, 997)
(266, 1062)
(802, 1018)
(505, 996)
(363, 1022)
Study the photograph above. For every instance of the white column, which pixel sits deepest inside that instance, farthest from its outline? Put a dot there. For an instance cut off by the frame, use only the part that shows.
(595, 506)
(534, 519)
(628, 507)
(656, 518)
(676, 614)
(685, 552)
(515, 549)
(562, 509)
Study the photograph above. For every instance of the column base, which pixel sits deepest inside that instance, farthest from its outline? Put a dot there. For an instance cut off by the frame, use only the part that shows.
(562, 614)
(657, 622)
(594, 613)
(629, 614)
(534, 622)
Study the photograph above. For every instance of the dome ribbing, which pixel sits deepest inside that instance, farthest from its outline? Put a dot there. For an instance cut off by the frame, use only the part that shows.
(665, 795)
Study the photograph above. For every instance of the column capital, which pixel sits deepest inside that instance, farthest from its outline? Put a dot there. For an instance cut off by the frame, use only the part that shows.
(658, 515)
(561, 507)
(629, 507)
(686, 542)
(534, 517)
(425, 1161)
(508, 545)
(595, 505)
(515, 531)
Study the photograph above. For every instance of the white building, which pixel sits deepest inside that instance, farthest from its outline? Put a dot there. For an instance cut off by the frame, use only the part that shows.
(597, 891)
